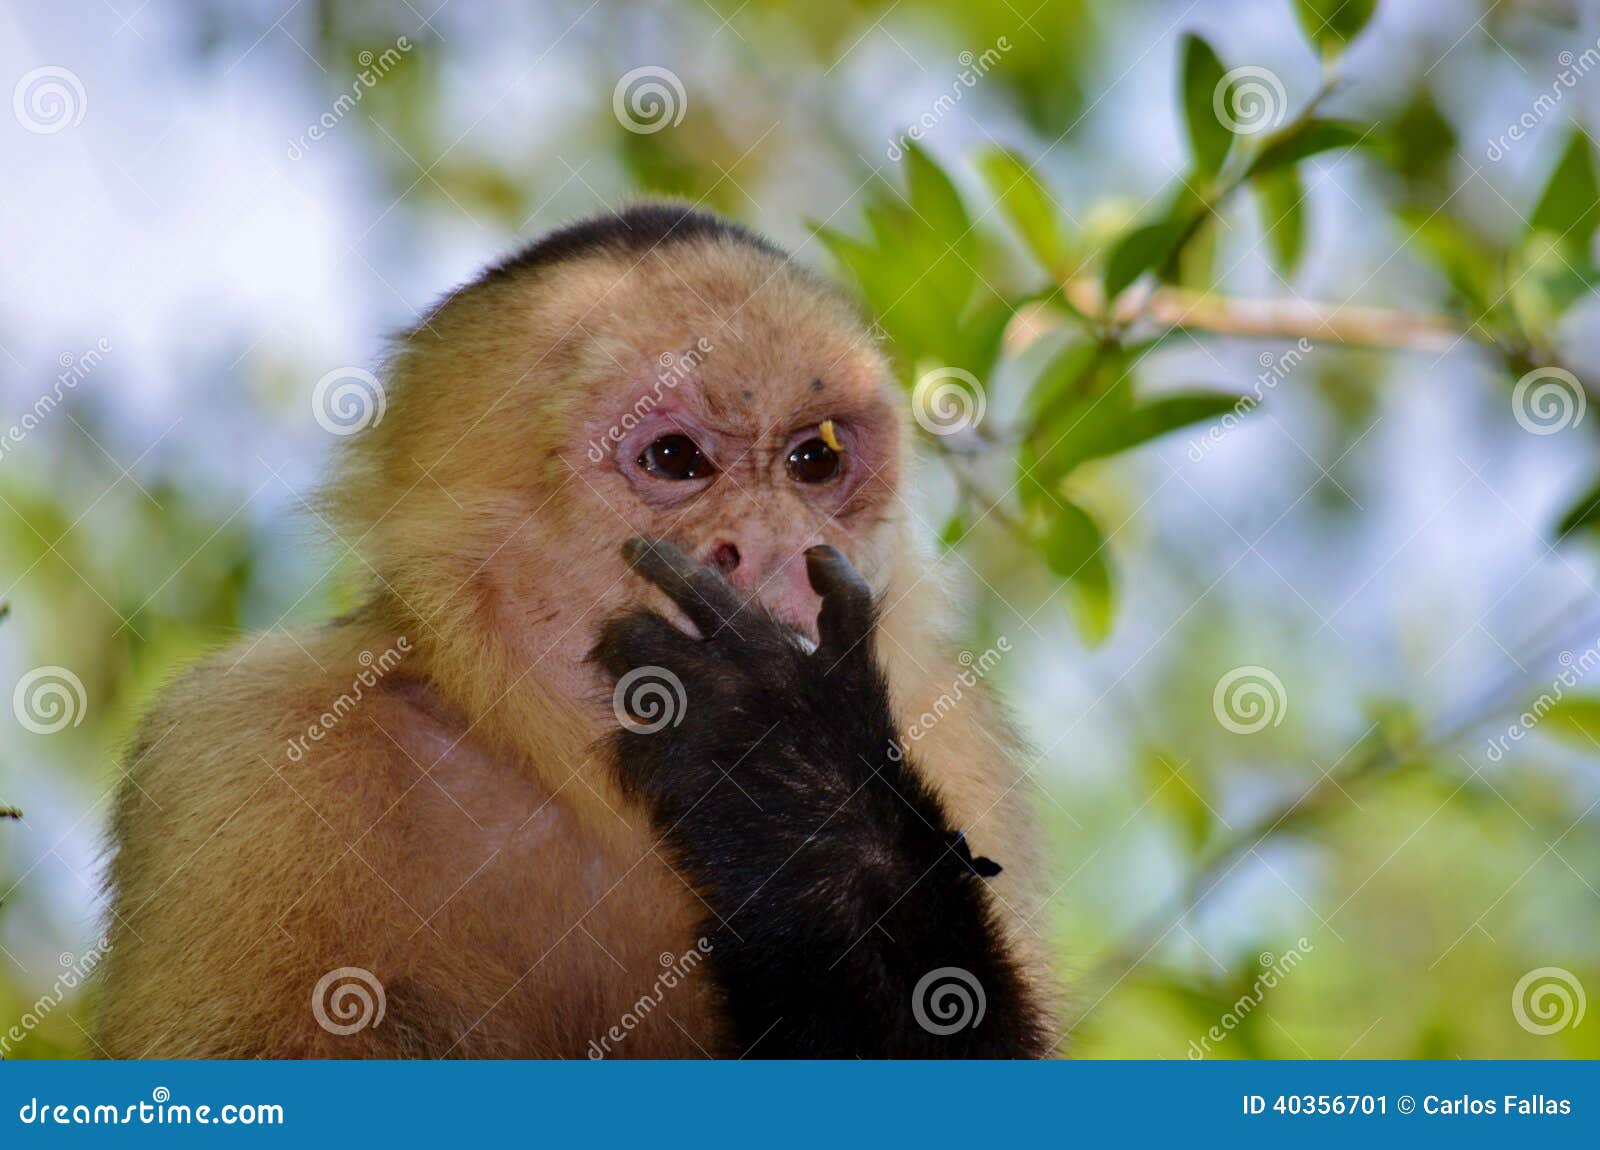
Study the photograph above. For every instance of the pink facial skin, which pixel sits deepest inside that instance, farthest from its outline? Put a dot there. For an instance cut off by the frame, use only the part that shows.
(751, 516)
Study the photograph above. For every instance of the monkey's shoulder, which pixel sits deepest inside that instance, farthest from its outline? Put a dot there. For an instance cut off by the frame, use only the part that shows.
(290, 808)
(322, 725)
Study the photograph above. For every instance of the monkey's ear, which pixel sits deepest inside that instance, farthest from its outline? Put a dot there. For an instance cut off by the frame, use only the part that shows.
(847, 613)
(982, 867)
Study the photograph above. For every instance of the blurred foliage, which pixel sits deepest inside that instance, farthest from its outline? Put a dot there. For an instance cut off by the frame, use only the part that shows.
(1030, 270)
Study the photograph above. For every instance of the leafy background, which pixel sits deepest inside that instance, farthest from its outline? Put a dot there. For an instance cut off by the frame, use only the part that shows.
(1391, 532)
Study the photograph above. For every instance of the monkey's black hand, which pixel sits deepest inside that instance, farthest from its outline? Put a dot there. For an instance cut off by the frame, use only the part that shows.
(751, 721)
(844, 908)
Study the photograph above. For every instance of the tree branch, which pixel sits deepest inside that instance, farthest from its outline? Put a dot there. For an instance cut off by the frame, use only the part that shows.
(1181, 309)
(1381, 760)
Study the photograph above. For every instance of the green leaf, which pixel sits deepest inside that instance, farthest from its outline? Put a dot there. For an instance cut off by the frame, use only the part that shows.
(1026, 203)
(1173, 788)
(1137, 252)
(1194, 264)
(1548, 275)
(1567, 205)
(1092, 602)
(916, 274)
(850, 252)
(1082, 423)
(1331, 24)
(936, 202)
(1074, 548)
(1063, 377)
(925, 242)
(1420, 144)
(1113, 423)
(1280, 200)
(862, 262)
(1577, 720)
(983, 331)
(954, 530)
(1307, 139)
(1073, 542)
(1584, 513)
(1465, 260)
(1209, 138)
(1157, 417)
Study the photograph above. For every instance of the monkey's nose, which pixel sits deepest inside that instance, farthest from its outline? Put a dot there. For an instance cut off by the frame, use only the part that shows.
(724, 557)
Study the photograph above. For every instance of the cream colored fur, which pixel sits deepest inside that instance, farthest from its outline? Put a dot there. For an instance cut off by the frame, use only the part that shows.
(456, 832)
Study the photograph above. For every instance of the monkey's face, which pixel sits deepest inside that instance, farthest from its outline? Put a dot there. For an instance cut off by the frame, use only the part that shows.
(540, 422)
(749, 419)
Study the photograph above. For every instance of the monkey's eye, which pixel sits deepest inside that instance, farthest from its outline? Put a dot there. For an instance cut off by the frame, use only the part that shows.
(675, 457)
(813, 462)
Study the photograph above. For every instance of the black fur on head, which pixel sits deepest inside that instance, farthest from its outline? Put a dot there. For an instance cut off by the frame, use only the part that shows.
(635, 230)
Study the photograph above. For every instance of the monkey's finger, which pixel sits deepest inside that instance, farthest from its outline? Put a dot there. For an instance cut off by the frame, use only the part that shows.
(705, 596)
(640, 639)
(846, 616)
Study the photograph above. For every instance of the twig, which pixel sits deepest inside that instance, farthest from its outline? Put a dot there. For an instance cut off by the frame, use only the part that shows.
(975, 491)
(1178, 309)
(1382, 760)
(1181, 309)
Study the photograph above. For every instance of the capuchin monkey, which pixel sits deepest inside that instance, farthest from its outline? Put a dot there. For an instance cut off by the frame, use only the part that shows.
(618, 757)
